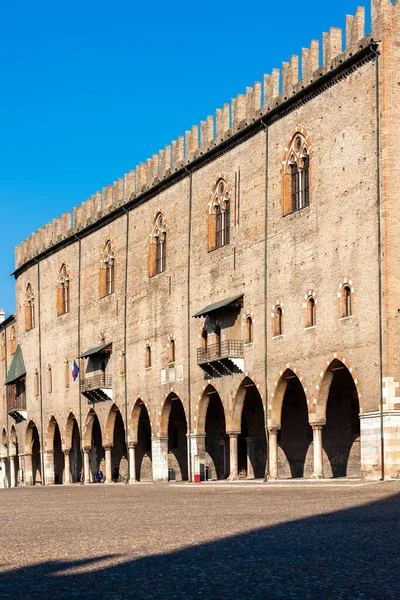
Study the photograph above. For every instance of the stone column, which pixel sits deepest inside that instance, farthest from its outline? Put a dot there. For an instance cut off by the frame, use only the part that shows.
(159, 453)
(317, 443)
(3, 472)
(67, 467)
(222, 445)
(273, 452)
(49, 467)
(13, 480)
(132, 462)
(233, 454)
(28, 470)
(250, 457)
(86, 464)
(107, 453)
(198, 448)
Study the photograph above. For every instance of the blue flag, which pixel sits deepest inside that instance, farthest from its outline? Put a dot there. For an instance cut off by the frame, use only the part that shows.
(75, 371)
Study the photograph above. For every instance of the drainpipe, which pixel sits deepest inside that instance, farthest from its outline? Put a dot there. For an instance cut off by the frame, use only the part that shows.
(189, 321)
(79, 344)
(266, 295)
(379, 215)
(125, 329)
(41, 377)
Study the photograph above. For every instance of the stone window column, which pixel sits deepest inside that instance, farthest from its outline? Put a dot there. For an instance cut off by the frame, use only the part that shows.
(159, 453)
(132, 462)
(86, 464)
(273, 452)
(250, 457)
(107, 453)
(67, 467)
(233, 454)
(317, 443)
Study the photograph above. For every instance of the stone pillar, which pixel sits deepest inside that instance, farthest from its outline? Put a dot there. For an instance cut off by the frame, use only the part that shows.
(107, 453)
(67, 467)
(132, 462)
(28, 469)
(273, 452)
(3, 472)
(159, 453)
(317, 443)
(13, 480)
(222, 445)
(198, 448)
(49, 467)
(233, 454)
(86, 464)
(250, 457)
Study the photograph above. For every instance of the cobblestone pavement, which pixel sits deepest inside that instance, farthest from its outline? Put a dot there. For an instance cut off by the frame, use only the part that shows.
(233, 541)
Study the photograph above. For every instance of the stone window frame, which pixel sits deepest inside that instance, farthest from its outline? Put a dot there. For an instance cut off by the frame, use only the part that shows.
(346, 283)
(13, 340)
(49, 379)
(148, 362)
(310, 309)
(171, 350)
(63, 291)
(219, 213)
(277, 316)
(29, 308)
(248, 330)
(297, 150)
(107, 268)
(157, 248)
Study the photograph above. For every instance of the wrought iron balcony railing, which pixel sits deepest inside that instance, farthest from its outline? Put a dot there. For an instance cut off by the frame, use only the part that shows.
(96, 382)
(221, 351)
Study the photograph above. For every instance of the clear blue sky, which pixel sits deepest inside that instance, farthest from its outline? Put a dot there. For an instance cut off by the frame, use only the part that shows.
(90, 89)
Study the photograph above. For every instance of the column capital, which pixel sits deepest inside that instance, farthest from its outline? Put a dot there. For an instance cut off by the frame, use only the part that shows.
(159, 438)
(196, 436)
(273, 430)
(107, 446)
(317, 426)
(67, 451)
(132, 445)
(87, 449)
(50, 452)
(233, 434)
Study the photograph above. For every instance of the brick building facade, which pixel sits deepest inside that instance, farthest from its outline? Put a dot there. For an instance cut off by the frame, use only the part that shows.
(235, 298)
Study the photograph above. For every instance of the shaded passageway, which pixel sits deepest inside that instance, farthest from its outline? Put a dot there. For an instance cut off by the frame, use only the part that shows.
(141, 443)
(212, 441)
(174, 426)
(252, 442)
(33, 466)
(341, 434)
(116, 437)
(73, 445)
(54, 460)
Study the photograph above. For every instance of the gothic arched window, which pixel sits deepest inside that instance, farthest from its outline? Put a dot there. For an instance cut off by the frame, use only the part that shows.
(107, 270)
(219, 217)
(29, 308)
(158, 246)
(296, 174)
(63, 291)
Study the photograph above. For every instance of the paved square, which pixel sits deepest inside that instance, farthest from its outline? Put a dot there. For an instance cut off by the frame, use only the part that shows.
(208, 541)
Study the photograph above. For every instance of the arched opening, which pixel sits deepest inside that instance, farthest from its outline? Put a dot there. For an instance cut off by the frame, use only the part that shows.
(278, 328)
(216, 444)
(5, 464)
(177, 441)
(249, 330)
(33, 467)
(252, 440)
(96, 454)
(341, 434)
(295, 436)
(58, 456)
(119, 457)
(310, 320)
(73, 443)
(346, 301)
(143, 457)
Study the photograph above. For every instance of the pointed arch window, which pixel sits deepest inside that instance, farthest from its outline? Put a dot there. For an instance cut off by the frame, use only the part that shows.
(171, 351)
(29, 308)
(219, 219)
(346, 301)
(148, 357)
(296, 174)
(13, 340)
(63, 291)
(278, 321)
(107, 270)
(249, 330)
(158, 246)
(311, 313)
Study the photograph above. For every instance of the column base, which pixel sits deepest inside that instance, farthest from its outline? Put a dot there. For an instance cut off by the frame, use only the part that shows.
(133, 481)
(233, 478)
(271, 478)
(317, 476)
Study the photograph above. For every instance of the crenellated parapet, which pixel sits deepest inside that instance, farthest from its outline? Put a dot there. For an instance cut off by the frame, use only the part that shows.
(263, 97)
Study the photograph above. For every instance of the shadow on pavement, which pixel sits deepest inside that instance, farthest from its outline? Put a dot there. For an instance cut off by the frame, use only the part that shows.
(351, 554)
